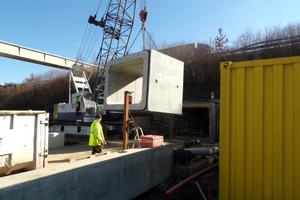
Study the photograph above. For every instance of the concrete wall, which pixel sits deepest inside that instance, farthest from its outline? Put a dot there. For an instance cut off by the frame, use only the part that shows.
(123, 176)
(56, 139)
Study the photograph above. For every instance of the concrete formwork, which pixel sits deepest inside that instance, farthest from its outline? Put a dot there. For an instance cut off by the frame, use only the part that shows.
(112, 176)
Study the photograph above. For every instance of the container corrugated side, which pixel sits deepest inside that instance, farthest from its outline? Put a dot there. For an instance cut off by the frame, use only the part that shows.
(260, 129)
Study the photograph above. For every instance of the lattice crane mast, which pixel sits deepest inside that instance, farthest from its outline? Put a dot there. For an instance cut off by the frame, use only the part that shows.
(117, 24)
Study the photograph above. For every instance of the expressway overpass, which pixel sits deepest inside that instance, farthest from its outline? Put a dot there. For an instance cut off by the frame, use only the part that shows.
(26, 54)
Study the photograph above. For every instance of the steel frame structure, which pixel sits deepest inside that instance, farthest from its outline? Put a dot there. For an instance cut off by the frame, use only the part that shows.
(119, 21)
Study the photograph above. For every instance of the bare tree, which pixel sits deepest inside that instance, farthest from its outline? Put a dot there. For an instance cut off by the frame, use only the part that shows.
(247, 38)
(221, 41)
(271, 33)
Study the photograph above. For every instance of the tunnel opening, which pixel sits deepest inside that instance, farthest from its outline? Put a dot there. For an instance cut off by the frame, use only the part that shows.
(194, 121)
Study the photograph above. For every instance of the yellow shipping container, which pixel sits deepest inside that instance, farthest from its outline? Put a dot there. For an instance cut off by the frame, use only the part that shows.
(260, 129)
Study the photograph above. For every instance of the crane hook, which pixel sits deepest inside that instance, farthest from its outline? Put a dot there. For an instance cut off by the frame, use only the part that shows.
(143, 15)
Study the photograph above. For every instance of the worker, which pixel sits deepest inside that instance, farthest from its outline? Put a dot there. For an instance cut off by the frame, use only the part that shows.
(77, 105)
(96, 140)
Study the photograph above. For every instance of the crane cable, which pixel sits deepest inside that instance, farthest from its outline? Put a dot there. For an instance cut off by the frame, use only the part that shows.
(90, 44)
(98, 7)
(143, 17)
(81, 43)
(87, 40)
(104, 15)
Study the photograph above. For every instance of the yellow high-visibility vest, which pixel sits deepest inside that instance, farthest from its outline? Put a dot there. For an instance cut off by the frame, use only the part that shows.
(96, 134)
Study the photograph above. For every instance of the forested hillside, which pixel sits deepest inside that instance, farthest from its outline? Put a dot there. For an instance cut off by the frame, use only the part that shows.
(201, 74)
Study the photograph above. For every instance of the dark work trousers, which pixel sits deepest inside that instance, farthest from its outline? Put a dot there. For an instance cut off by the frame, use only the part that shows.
(96, 149)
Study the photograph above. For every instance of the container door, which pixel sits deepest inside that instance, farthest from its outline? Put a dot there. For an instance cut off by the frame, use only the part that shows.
(6, 132)
(42, 140)
(22, 139)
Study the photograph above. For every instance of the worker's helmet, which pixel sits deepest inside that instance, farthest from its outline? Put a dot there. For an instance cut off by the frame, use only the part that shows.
(98, 116)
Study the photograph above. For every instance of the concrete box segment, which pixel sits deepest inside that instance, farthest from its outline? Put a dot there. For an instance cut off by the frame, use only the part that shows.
(112, 176)
(155, 79)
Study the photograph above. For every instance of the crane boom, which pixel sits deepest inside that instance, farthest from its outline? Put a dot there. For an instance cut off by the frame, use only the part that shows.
(117, 28)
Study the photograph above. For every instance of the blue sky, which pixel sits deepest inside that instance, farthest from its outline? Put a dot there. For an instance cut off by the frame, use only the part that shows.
(57, 26)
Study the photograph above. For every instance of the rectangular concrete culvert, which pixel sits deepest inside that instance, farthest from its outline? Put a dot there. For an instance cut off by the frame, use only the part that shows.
(155, 79)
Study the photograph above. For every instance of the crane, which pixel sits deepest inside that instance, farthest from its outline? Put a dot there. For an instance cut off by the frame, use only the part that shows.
(117, 24)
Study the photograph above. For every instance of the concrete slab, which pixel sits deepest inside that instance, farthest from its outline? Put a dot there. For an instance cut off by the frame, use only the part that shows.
(112, 176)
